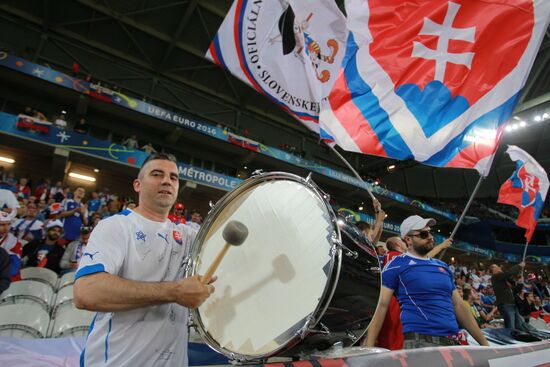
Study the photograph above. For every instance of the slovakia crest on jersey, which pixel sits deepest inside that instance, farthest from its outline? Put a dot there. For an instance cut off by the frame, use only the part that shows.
(177, 237)
(433, 81)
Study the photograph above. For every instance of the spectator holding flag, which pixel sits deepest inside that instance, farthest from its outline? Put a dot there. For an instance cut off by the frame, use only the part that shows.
(526, 189)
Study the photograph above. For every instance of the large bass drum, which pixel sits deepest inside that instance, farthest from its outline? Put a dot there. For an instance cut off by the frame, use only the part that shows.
(303, 280)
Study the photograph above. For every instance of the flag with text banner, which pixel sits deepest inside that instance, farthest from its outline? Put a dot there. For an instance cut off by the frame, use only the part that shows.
(290, 51)
(526, 189)
(434, 81)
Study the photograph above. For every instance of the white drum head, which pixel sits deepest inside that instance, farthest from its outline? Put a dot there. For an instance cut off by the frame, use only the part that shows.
(268, 286)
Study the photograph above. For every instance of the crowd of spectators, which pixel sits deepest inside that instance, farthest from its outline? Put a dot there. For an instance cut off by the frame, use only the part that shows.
(48, 225)
(531, 294)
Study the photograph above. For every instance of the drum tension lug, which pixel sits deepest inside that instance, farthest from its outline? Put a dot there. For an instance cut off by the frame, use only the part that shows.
(348, 252)
(351, 335)
(323, 330)
(306, 328)
(257, 172)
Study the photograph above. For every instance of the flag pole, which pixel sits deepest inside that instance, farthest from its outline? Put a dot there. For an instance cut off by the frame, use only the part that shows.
(350, 168)
(468, 204)
(525, 252)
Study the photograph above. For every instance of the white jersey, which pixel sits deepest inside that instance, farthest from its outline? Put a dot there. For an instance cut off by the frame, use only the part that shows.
(133, 247)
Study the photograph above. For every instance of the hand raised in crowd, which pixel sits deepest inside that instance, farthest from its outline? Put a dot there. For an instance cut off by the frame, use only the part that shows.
(376, 205)
(190, 292)
(447, 243)
(380, 214)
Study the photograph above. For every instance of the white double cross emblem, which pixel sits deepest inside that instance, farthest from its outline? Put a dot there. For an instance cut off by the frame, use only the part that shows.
(445, 33)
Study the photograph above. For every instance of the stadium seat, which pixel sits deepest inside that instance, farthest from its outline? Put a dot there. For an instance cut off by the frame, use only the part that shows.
(28, 292)
(41, 275)
(71, 322)
(64, 297)
(24, 321)
(66, 279)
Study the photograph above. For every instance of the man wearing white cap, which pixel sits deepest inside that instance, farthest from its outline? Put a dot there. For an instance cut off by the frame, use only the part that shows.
(11, 244)
(425, 290)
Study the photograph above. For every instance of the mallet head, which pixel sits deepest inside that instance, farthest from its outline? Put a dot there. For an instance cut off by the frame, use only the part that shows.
(235, 233)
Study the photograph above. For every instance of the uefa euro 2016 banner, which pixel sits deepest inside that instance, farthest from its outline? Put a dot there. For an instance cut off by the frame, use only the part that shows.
(434, 81)
(24, 127)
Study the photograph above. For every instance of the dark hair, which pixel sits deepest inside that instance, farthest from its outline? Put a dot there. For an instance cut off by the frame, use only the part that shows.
(466, 293)
(159, 156)
(363, 225)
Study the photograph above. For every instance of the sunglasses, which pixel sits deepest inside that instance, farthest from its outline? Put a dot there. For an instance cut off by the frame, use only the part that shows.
(86, 230)
(422, 234)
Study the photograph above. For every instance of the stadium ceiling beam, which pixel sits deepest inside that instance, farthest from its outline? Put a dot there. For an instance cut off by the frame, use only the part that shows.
(134, 12)
(191, 68)
(130, 35)
(534, 76)
(139, 26)
(225, 74)
(532, 103)
(167, 87)
(122, 19)
(197, 89)
(212, 9)
(179, 30)
(68, 53)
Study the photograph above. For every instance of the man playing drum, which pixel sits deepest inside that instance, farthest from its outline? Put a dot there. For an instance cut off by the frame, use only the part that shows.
(131, 274)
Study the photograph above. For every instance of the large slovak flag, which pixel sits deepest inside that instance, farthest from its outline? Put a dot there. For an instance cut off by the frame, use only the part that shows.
(288, 50)
(433, 80)
(526, 189)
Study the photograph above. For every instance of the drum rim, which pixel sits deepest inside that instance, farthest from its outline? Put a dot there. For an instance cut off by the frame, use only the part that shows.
(332, 280)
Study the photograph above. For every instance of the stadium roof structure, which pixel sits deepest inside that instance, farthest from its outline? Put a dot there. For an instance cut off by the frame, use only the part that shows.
(156, 49)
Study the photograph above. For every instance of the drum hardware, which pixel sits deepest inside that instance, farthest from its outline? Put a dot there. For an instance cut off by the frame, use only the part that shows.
(305, 330)
(348, 252)
(324, 330)
(257, 172)
(351, 335)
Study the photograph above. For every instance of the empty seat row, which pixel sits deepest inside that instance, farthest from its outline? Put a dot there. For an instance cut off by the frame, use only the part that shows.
(31, 321)
(35, 292)
(48, 276)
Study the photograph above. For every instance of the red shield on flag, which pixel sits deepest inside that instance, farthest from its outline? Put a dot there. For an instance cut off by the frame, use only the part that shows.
(530, 186)
(418, 42)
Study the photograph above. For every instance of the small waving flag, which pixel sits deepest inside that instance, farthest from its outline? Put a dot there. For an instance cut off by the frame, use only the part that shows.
(526, 189)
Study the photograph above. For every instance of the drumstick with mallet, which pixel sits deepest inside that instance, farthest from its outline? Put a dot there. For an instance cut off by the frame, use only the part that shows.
(234, 234)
